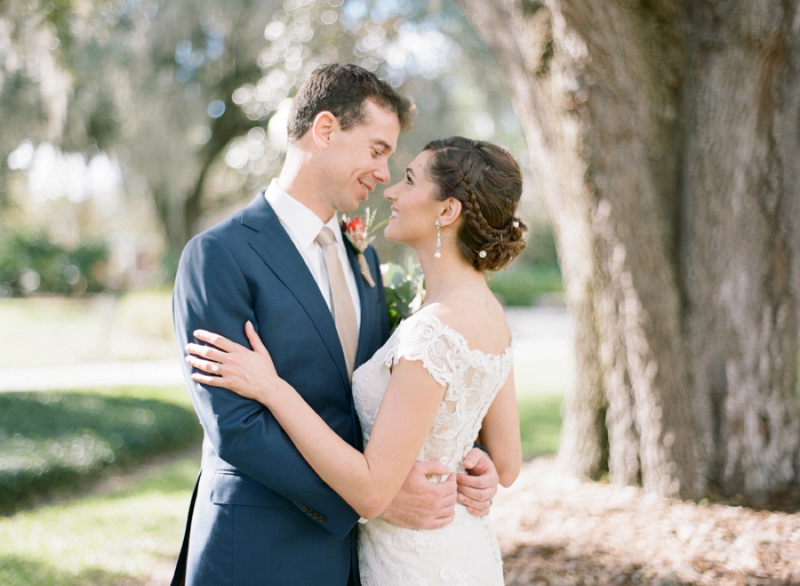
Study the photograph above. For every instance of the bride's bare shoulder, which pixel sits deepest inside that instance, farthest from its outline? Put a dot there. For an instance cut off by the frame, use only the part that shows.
(480, 321)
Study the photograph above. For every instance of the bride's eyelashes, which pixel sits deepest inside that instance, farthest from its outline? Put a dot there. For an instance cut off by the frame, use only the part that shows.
(409, 180)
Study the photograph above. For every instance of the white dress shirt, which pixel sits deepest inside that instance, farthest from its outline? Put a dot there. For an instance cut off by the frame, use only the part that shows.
(303, 226)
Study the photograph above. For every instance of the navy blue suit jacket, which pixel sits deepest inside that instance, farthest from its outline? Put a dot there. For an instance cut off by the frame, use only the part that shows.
(260, 514)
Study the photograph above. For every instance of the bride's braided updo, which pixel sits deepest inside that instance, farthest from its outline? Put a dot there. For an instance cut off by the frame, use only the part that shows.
(487, 181)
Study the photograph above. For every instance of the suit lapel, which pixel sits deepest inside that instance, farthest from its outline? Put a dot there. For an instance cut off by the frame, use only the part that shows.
(277, 250)
(367, 306)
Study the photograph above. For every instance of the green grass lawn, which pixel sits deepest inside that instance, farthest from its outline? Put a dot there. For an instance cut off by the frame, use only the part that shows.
(123, 530)
(541, 382)
(125, 533)
(126, 530)
(59, 441)
(540, 424)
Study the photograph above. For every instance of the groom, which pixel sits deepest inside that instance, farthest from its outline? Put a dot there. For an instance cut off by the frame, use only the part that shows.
(259, 513)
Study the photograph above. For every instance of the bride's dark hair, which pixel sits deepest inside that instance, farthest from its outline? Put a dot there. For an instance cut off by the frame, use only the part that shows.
(487, 181)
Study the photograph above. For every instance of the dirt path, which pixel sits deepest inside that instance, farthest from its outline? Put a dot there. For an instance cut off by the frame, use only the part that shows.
(555, 530)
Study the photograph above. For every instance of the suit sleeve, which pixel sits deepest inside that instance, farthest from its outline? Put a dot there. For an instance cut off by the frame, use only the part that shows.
(211, 293)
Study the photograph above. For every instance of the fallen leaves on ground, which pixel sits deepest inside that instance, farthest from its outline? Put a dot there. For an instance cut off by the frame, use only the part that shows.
(555, 530)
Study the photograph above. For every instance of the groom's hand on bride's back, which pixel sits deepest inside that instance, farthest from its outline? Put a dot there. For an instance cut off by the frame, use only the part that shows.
(422, 504)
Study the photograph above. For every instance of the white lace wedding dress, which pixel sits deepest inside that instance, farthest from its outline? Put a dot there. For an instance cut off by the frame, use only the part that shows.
(465, 552)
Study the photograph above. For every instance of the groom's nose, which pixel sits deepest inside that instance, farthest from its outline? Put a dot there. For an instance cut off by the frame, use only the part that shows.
(382, 174)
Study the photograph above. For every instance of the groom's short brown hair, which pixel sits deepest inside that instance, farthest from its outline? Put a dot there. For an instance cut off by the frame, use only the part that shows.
(341, 89)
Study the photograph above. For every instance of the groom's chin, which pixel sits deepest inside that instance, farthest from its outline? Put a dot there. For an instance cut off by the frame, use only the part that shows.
(349, 206)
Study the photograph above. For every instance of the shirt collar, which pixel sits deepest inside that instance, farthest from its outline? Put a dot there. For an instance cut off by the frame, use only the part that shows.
(297, 218)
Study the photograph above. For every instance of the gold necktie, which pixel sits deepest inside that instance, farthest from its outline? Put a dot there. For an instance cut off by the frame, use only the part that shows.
(344, 313)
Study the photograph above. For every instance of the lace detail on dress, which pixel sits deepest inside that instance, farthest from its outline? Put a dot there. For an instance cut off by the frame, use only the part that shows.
(467, 547)
(427, 340)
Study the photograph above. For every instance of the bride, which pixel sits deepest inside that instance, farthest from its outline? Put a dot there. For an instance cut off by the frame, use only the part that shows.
(441, 382)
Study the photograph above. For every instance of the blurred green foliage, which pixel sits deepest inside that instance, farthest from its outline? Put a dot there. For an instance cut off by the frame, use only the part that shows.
(33, 263)
(541, 249)
(59, 441)
(405, 289)
(540, 424)
(534, 273)
(524, 285)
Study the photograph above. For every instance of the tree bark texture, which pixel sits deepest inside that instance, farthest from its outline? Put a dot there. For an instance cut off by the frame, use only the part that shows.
(663, 137)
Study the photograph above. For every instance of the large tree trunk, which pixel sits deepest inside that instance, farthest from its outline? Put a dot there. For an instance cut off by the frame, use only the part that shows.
(740, 241)
(664, 137)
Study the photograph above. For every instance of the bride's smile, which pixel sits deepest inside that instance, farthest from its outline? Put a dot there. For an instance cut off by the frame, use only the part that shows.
(414, 207)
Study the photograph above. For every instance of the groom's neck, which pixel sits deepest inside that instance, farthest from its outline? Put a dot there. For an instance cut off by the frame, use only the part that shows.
(299, 179)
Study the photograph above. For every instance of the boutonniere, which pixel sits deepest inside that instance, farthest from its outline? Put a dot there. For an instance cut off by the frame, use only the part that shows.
(357, 231)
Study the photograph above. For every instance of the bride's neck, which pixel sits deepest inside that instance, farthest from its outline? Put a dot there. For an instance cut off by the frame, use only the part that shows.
(447, 274)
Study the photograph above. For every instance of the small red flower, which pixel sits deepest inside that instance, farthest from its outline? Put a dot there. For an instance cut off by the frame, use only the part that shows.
(357, 232)
(357, 224)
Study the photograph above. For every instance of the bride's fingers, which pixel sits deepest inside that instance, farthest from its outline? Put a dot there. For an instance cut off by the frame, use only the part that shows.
(473, 492)
(477, 508)
(220, 342)
(205, 365)
(255, 341)
(478, 512)
(211, 381)
(206, 352)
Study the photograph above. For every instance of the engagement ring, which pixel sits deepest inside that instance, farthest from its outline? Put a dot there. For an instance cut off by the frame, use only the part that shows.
(215, 368)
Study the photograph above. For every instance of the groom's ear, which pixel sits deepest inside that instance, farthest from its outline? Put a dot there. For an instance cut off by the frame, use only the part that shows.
(451, 211)
(325, 123)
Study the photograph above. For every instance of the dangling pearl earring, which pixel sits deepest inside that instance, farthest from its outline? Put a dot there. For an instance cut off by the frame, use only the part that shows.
(438, 253)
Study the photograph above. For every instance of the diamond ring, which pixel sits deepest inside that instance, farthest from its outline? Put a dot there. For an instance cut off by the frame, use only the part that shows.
(215, 368)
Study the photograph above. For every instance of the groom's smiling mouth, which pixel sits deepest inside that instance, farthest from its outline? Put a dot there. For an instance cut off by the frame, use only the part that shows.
(367, 188)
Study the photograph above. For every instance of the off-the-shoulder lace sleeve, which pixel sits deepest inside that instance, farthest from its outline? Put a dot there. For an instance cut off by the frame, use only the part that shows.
(427, 339)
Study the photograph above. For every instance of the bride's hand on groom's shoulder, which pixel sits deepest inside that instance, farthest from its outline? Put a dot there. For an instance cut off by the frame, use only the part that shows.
(477, 488)
(221, 362)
